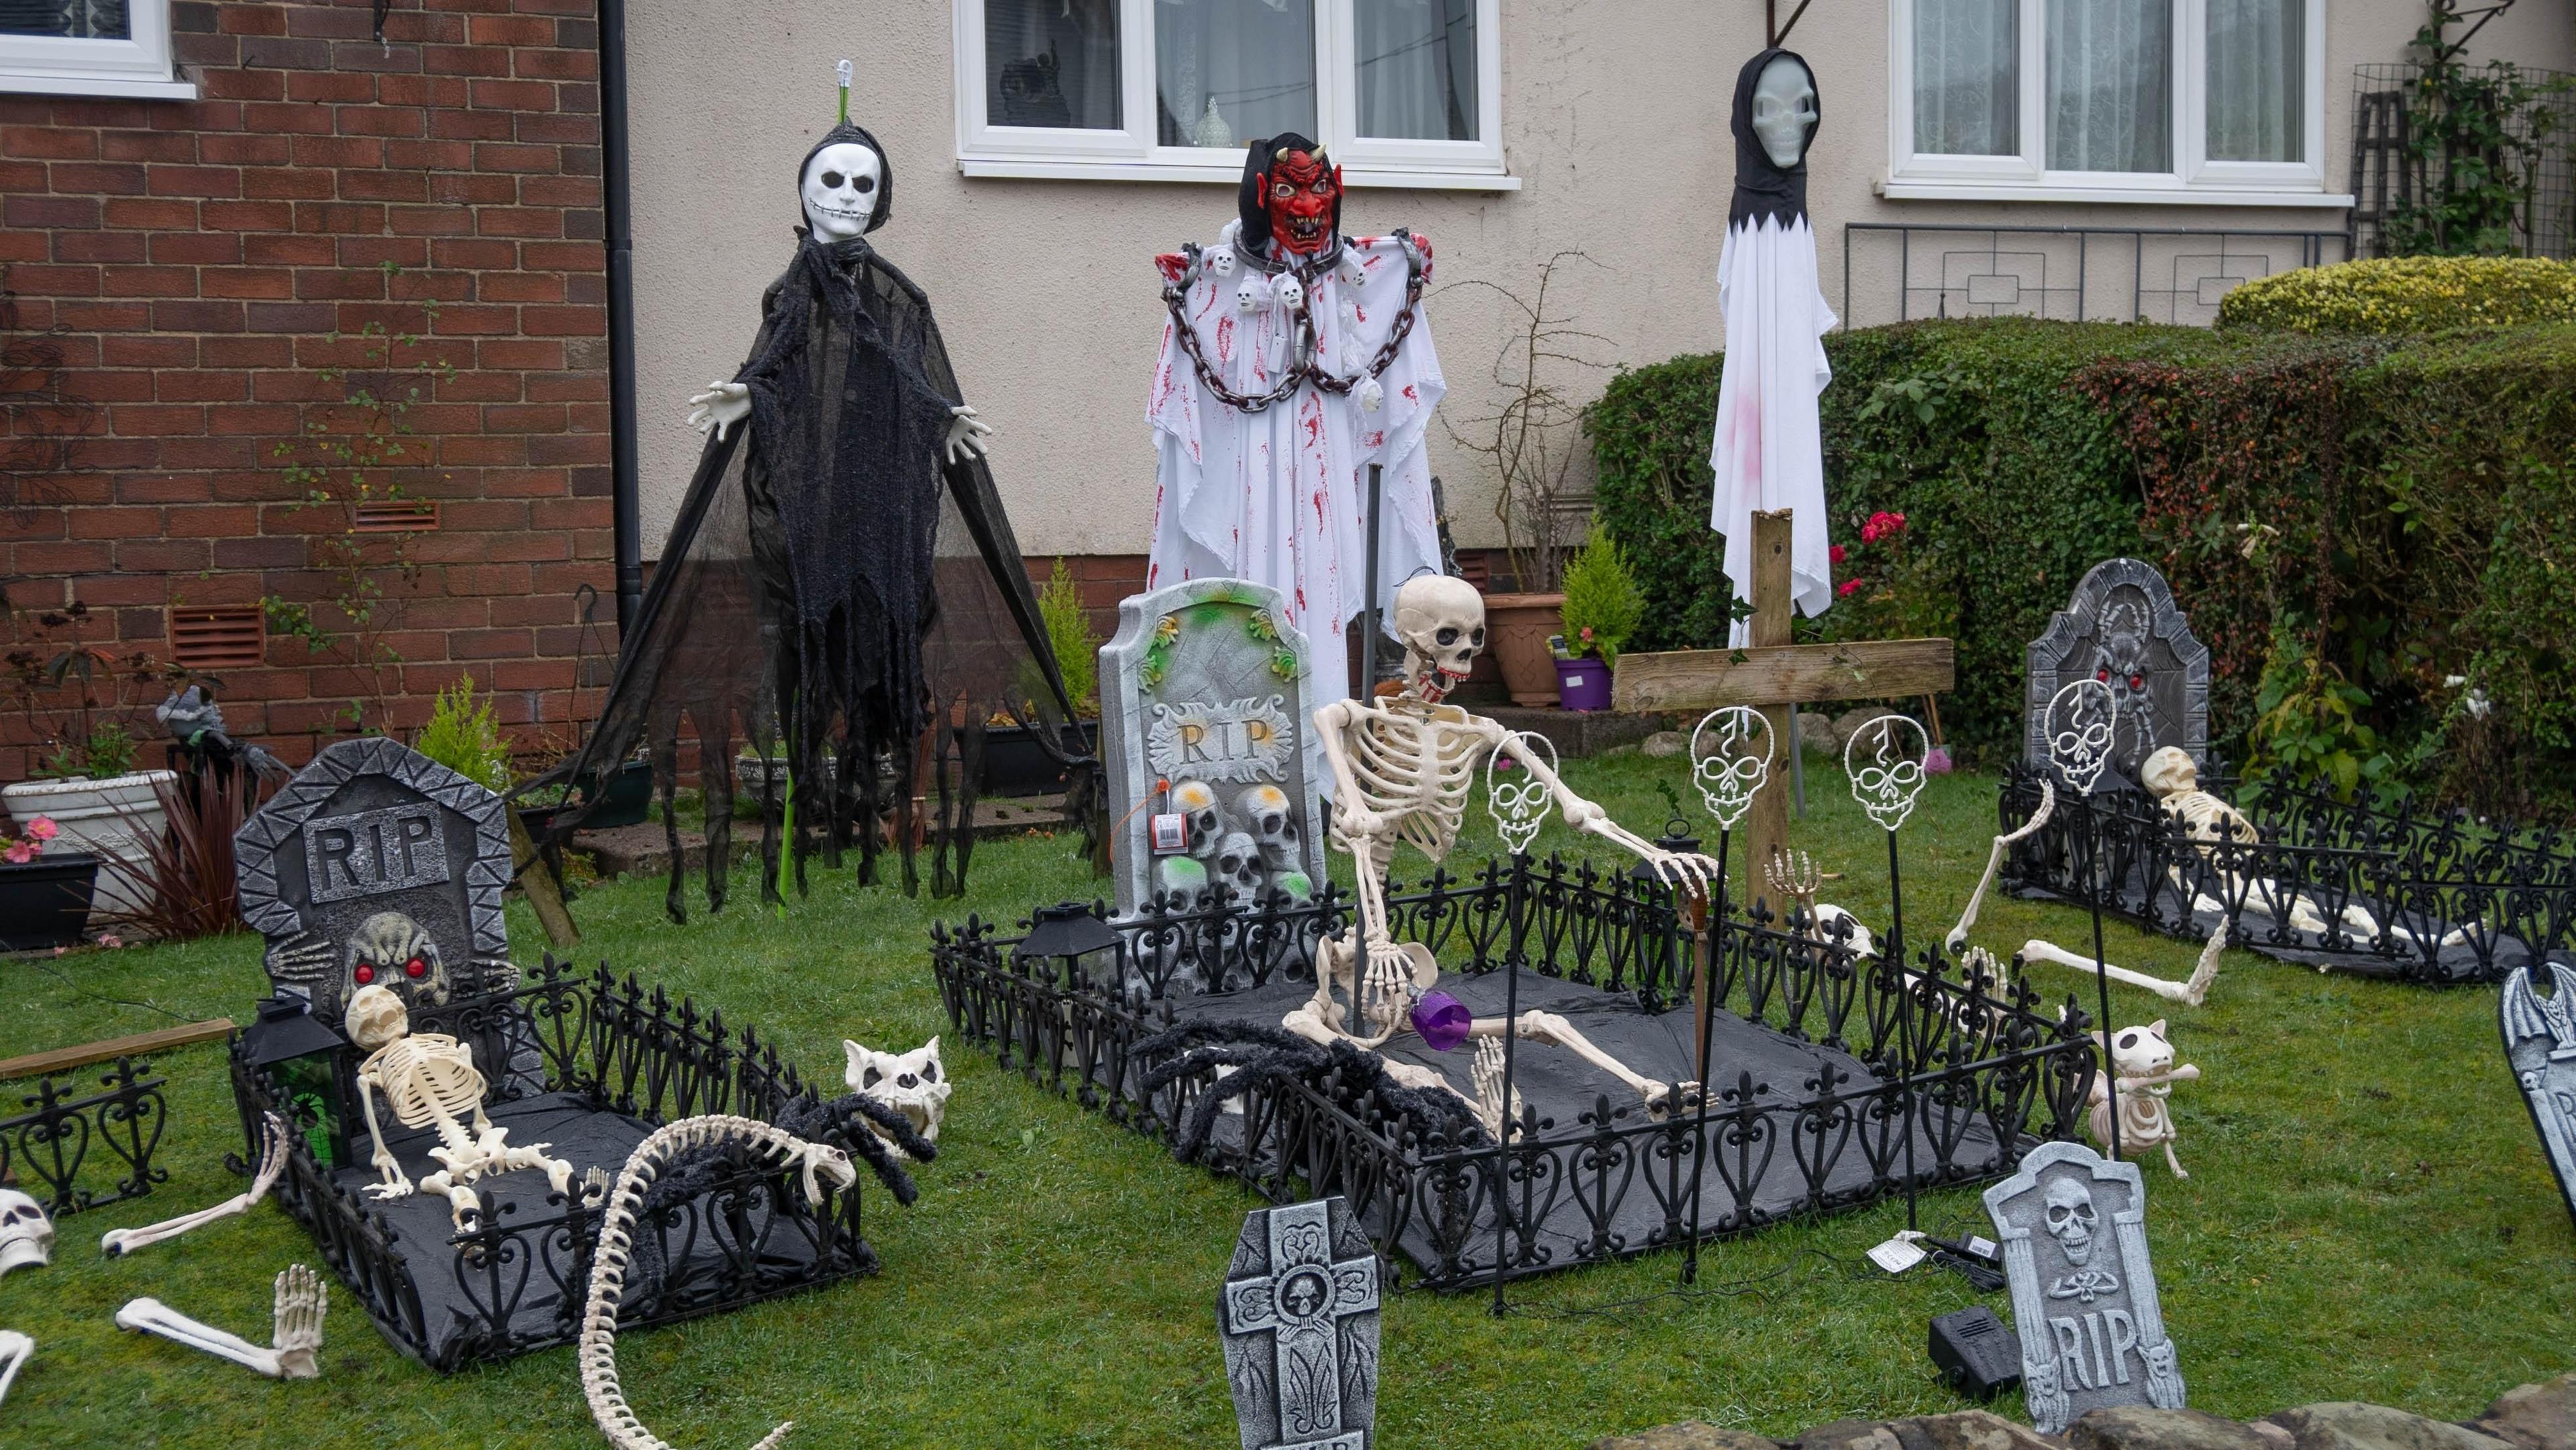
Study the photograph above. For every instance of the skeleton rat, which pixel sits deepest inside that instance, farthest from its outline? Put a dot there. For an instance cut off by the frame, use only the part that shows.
(1402, 766)
(429, 1080)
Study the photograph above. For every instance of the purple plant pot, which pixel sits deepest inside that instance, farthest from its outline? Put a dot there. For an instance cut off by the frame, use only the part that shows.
(1583, 684)
(1442, 1020)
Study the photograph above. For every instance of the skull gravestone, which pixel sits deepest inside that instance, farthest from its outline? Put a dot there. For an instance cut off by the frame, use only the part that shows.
(2074, 1230)
(1206, 687)
(1299, 1319)
(2122, 629)
(2540, 1043)
(377, 866)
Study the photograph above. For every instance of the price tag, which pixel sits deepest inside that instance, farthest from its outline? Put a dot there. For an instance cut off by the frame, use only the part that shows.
(1171, 832)
(1897, 1254)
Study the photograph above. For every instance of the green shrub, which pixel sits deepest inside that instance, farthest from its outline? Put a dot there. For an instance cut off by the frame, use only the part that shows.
(2407, 294)
(463, 736)
(1602, 601)
(1077, 645)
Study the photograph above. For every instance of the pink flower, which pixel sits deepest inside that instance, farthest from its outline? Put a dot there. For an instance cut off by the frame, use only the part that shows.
(43, 828)
(19, 853)
(1869, 532)
(110, 939)
(1837, 553)
(1850, 587)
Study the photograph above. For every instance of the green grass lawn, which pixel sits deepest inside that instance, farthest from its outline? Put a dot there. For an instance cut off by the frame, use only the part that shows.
(2368, 1217)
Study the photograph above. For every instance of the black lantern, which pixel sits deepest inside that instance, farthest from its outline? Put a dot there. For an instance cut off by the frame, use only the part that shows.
(308, 1067)
(1071, 935)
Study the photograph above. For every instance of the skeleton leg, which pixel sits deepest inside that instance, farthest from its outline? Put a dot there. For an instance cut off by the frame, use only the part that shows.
(2172, 1162)
(2190, 993)
(15, 1350)
(1550, 1028)
(461, 1197)
(272, 1161)
(557, 1171)
(301, 1303)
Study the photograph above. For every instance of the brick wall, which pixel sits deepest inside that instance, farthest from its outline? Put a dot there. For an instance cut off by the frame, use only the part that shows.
(185, 272)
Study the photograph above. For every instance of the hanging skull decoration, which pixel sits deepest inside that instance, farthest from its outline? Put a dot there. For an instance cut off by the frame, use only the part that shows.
(1884, 759)
(841, 187)
(911, 1083)
(1784, 110)
(1302, 192)
(2082, 716)
(1442, 623)
(2072, 1219)
(26, 1235)
(1730, 759)
(1517, 799)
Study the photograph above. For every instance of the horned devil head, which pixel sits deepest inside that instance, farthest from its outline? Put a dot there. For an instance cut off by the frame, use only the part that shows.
(908, 1082)
(26, 1235)
(1442, 623)
(2072, 1219)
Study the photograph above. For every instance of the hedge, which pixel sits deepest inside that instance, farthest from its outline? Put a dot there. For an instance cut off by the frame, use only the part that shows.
(2407, 294)
(2338, 514)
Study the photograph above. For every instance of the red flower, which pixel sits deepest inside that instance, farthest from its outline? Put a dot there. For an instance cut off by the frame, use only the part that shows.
(1850, 586)
(1836, 552)
(1869, 532)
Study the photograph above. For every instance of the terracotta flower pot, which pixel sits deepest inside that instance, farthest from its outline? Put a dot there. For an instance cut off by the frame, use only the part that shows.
(1516, 631)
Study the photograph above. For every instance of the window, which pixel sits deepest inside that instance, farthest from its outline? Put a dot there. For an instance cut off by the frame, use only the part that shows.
(89, 48)
(1402, 92)
(2109, 100)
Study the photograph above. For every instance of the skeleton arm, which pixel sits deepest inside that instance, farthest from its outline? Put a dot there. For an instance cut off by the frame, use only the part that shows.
(1688, 870)
(1995, 859)
(272, 1162)
(301, 1302)
(395, 1184)
(15, 1350)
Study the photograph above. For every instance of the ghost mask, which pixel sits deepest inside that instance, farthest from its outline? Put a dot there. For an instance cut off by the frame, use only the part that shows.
(26, 1235)
(911, 1083)
(1784, 110)
(840, 187)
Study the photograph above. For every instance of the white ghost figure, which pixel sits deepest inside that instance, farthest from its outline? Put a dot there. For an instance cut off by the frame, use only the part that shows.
(840, 189)
(1784, 108)
(912, 1083)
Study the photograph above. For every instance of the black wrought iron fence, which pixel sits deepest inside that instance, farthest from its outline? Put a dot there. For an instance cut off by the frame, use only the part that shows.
(65, 1130)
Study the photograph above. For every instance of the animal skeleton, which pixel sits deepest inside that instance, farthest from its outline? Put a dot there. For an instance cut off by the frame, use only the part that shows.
(1402, 769)
(272, 1162)
(2143, 1061)
(295, 1355)
(598, 1352)
(911, 1083)
(429, 1080)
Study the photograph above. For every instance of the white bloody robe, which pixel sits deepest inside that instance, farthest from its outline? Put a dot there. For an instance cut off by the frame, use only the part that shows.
(1280, 497)
(1768, 452)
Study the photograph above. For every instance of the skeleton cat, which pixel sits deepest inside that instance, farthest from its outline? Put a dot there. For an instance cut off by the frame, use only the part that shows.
(2143, 1061)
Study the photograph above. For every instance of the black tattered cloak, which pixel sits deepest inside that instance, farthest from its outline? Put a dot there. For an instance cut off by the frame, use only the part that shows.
(833, 588)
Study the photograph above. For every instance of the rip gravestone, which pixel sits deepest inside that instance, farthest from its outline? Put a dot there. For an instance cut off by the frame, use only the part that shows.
(2074, 1231)
(1207, 687)
(2540, 1043)
(378, 866)
(1299, 1319)
(2123, 629)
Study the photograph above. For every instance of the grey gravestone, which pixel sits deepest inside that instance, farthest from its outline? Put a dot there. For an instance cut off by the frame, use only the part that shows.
(2123, 629)
(1299, 1318)
(2540, 1042)
(376, 856)
(2074, 1231)
(1206, 686)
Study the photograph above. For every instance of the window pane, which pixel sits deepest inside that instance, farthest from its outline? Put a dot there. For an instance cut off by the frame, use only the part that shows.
(2258, 72)
(74, 19)
(1051, 63)
(1418, 69)
(1967, 77)
(1226, 71)
(2110, 77)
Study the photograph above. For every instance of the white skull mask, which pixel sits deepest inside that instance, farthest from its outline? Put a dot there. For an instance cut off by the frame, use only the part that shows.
(1730, 759)
(911, 1083)
(2072, 1219)
(840, 190)
(2081, 717)
(1196, 801)
(26, 1235)
(1442, 623)
(1885, 761)
(1267, 818)
(1238, 865)
(1784, 110)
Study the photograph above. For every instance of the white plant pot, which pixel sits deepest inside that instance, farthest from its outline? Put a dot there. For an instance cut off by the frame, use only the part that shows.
(98, 816)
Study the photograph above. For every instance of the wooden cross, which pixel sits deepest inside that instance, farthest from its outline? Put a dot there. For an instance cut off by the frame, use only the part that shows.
(1772, 675)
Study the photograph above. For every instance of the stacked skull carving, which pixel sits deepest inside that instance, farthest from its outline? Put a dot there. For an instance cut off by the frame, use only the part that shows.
(1247, 847)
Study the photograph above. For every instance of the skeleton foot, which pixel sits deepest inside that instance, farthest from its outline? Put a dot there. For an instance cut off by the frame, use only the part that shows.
(297, 1321)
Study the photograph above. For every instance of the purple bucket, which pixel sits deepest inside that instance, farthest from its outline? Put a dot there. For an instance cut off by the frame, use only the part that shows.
(1583, 684)
(1442, 1020)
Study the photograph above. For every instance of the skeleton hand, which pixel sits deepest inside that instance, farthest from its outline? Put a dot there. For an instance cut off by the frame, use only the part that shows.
(15, 1350)
(721, 406)
(1386, 987)
(1487, 1074)
(395, 1185)
(1685, 869)
(966, 433)
(301, 1302)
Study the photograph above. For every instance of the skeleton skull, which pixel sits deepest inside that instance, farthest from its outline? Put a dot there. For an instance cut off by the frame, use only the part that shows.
(1291, 293)
(1885, 762)
(1196, 800)
(1264, 811)
(2072, 1219)
(911, 1083)
(1238, 865)
(1442, 623)
(26, 1235)
(375, 1017)
(840, 187)
(1784, 110)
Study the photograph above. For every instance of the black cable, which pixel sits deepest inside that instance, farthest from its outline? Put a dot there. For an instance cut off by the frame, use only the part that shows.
(1732, 1289)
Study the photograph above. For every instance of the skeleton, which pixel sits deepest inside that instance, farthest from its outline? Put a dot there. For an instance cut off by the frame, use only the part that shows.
(2143, 1061)
(296, 1338)
(272, 1162)
(1402, 769)
(1271, 820)
(15, 1350)
(26, 1235)
(817, 1164)
(429, 1081)
(911, 1083)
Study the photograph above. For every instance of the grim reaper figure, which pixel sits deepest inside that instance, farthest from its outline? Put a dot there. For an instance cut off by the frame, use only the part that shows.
(841, 590)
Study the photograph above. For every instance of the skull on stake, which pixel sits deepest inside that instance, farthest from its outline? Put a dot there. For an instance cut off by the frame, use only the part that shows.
(2081, 719)
(1730, 759)
(26, 1235)
(2072, 1219)
(1884, 759)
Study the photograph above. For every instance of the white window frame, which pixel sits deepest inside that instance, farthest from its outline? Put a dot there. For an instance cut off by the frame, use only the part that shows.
(135, 68)
(2194, 180)
(1131, 153)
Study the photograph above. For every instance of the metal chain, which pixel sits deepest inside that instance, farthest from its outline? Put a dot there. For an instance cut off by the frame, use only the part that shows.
(1304, 369)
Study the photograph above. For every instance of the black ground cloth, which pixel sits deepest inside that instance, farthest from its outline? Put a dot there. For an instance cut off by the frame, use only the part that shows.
(1563, 1087)
(832, 587)
(457, 1296)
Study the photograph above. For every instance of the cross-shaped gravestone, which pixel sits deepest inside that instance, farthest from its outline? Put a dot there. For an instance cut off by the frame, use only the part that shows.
(1299, 1318)
(1773, 674)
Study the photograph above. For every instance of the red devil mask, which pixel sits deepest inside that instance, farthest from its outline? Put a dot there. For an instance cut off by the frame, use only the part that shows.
(1302, 192)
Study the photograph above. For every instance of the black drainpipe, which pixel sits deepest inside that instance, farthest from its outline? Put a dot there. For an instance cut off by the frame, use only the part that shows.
(625, 472)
